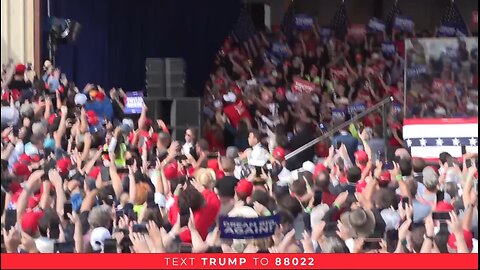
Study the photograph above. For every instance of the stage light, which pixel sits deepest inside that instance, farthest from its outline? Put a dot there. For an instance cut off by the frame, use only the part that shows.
(64, 29)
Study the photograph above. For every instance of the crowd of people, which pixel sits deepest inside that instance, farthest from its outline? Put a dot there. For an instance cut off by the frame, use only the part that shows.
(78, 175)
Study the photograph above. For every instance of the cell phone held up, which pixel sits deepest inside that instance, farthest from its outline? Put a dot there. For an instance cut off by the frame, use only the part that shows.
(372, 244)
(441, 216)
(110, 246)
(139, 228)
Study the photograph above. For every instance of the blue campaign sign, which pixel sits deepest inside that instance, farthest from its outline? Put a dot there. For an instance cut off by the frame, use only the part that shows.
(451, 30)
(446, 30)
(416, 70)
(247, 228)
(357, 108)
(280, 49)
(338, 113)
(376, 25)
(303, 21)
(325, 32)
(133, 103)
(397, 107)
(404, 23)
(388, 48)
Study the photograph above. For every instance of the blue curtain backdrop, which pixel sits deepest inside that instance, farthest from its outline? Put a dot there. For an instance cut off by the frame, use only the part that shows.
(117, 36)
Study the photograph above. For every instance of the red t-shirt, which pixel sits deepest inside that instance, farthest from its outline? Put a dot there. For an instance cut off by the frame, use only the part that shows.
(204, 218)
(235, 112)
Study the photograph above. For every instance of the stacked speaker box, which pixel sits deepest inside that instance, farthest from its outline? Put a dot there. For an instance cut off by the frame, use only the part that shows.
(175, 77)
(177, 113)
(165, 77)
(185, 113)
(155, 77)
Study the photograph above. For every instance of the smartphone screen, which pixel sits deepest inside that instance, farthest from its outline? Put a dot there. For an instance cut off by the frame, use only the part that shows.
(441, 216)
(10, 219)
(258, 171)
(468, 162)
(67, 209)
(388, 166)
(372, 243)
(139, 228)
(184, 217)
(110, 246)
(122, 170)
(105, 174)
(185, 248)
(67, 247)
(350, 189)
(118, 215)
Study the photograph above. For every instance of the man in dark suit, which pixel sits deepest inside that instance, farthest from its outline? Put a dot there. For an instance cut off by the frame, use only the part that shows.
(350, 142)
(302, 135)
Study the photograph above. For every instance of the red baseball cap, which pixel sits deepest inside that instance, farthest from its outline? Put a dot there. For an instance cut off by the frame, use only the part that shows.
(444, 206)
(91, 113)
(281, 91)
(279, 153)
(51, 119)
(20, 69)
(386, 177)
(100, 96)
(24, 159)
(30, 220)
(92, 121)
(170, 171)
(361, 156)
(452, 241)
(63, 165)
(245, 187)
(20, 169)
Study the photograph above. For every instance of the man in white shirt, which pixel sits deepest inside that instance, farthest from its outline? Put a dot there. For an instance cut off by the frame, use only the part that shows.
(189, 146)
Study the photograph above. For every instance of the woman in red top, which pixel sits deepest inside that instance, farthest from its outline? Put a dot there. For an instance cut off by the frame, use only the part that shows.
(205, 206)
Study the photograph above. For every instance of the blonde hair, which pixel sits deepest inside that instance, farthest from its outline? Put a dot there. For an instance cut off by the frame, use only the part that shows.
(239, 245)
(206, 177)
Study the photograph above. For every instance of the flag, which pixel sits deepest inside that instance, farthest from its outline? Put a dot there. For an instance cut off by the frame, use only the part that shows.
(394, 12)
(452, 16)
(339, 22)
(288, 23)
(427, 138)
(244, 32)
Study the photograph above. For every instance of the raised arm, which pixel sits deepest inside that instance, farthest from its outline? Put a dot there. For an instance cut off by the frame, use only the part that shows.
(62, 127)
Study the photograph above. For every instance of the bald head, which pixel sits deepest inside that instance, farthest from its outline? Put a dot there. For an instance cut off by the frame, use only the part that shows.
(402, 153)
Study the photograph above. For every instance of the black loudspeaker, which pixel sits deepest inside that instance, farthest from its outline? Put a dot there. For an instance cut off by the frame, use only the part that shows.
(257, 12)
(185, 113)
(175, 77)
(155, 77)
